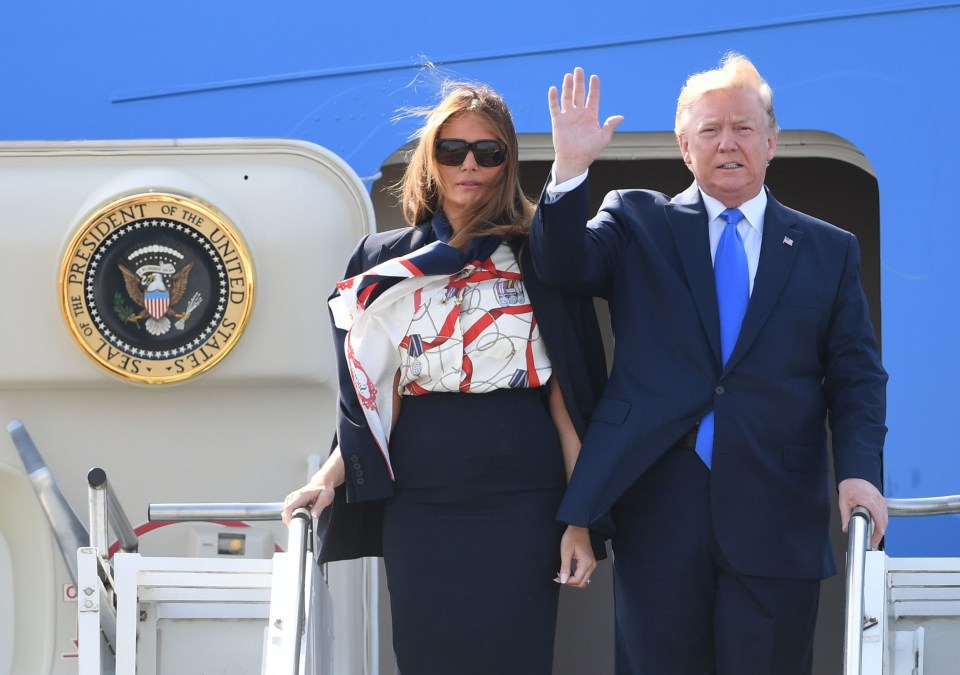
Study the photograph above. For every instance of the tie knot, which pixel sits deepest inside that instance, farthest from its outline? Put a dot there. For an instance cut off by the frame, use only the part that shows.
(732, 216)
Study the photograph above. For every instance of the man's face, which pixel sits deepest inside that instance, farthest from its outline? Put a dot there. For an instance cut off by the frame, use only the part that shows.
(726, 143)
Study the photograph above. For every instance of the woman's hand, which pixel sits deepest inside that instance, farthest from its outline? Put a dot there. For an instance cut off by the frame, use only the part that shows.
(312, 496)
(318, 493)
(576, 552)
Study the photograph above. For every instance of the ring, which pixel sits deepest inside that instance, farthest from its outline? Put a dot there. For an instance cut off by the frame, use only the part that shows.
(588, 582)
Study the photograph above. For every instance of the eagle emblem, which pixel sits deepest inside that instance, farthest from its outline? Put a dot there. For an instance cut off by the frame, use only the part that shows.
(156, 287)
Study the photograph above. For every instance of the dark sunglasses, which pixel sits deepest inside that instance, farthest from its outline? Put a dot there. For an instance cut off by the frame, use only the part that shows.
(487, 152)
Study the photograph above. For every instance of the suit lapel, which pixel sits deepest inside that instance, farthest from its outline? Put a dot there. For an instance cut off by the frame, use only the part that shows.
(782, 239)
(688, 225)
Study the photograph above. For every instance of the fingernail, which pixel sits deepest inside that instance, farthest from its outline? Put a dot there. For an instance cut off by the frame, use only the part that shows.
(563, 578)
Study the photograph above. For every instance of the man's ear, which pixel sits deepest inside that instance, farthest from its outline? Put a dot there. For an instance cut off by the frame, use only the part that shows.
(684, 148)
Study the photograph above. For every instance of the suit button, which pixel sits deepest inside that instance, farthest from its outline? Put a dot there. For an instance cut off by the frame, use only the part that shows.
(354, 458)
(720, 390)
(359, 481)
(356, 465)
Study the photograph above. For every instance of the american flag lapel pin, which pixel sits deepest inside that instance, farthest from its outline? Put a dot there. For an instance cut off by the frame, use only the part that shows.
(788, 241)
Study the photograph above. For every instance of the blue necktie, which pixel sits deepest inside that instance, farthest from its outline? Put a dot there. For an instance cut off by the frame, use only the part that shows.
(733, 293)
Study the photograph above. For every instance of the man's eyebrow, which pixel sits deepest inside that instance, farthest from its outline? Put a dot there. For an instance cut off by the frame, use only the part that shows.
(715, 120)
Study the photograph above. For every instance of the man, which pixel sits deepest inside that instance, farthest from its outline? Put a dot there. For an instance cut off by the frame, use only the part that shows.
(709, 448)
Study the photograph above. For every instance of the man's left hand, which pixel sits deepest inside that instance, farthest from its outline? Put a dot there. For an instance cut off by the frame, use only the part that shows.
(856, 492)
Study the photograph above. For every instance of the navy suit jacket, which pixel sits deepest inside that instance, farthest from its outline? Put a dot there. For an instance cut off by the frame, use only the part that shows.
(352, 527)
(806, 352)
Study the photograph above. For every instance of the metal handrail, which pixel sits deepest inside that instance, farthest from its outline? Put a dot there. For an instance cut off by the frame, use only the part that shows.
(924, 506)
(299, 549)
(68, 530)
(858, 535)
(222, 511)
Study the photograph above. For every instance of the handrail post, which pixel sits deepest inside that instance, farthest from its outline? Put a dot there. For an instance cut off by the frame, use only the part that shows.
(298, 543)
(858, 531)
(97, 504)
(288, 599)
(106, 512)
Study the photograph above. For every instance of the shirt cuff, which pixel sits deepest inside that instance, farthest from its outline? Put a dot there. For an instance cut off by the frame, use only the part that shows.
(555, 191)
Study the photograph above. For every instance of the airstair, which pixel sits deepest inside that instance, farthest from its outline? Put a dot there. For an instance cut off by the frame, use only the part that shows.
(222, 612)
(226, 613)
(903, 614)
(157, 615)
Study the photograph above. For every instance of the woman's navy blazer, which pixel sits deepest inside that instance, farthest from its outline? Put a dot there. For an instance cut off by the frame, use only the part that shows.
(351, 527)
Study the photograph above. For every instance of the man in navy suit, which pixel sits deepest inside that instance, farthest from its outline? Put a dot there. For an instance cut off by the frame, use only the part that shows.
(708, 451)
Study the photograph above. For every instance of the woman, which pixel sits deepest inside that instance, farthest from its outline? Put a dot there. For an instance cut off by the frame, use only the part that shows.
(465, 385)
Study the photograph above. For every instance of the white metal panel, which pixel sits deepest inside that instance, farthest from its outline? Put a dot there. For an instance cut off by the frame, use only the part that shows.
(240, 432)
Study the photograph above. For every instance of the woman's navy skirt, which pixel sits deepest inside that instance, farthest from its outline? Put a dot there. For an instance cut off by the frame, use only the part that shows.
(471, 542)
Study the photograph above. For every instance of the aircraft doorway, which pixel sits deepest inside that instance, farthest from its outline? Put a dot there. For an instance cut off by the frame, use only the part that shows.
(814, 172)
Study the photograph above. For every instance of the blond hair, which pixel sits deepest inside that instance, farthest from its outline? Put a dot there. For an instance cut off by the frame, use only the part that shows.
(735, 71)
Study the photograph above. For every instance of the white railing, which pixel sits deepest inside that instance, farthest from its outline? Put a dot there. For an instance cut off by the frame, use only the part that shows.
(293, 574)
(858, 538)
(111, 589)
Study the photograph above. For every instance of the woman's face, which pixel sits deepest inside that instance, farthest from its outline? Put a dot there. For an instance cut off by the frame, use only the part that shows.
(465, 185)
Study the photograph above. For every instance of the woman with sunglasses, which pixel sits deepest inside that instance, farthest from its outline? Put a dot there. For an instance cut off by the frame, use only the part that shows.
(465, 385)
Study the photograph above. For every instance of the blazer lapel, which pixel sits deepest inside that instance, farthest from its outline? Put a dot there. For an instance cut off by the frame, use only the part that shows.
(688, 225)
(782, 239)
(413, 239)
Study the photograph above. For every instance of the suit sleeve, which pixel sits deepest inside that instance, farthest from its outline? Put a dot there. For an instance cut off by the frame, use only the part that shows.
(855, 381)
(571, 253)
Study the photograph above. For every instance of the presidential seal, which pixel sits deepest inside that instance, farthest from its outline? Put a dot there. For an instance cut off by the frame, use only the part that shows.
(156, 287)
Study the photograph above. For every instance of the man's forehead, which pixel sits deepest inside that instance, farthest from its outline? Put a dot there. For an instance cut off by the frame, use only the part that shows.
(717, 117)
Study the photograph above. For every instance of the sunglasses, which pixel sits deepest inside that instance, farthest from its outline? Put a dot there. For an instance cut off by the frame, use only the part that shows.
(487, 153)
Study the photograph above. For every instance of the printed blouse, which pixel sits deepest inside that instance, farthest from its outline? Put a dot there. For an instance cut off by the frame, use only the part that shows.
(473, 332)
